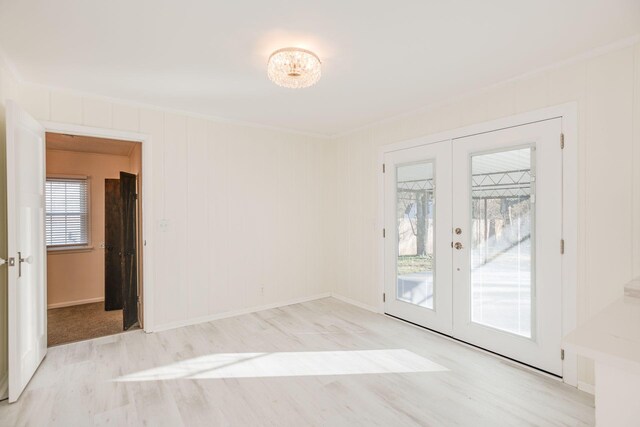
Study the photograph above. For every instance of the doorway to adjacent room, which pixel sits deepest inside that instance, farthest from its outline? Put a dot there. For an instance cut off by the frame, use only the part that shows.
(92, 229)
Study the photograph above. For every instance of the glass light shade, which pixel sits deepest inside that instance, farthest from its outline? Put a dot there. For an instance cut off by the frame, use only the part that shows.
(294, 68)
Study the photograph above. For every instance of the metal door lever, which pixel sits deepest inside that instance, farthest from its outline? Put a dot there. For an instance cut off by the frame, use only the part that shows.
(20, 261)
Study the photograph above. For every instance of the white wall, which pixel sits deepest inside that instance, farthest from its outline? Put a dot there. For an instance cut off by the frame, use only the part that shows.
(607, 90)
(250, 208)
(242, 205)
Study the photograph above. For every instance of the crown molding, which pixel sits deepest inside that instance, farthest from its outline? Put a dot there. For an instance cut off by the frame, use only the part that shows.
(592, 53)
(186, 113)
(7, 63)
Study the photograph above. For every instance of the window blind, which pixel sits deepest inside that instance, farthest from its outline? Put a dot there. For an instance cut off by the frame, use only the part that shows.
(67, 211)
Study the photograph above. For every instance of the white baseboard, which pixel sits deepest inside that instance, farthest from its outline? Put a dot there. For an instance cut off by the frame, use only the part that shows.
(78, 302)
(224, 315)
(354, 302)
(586, 387)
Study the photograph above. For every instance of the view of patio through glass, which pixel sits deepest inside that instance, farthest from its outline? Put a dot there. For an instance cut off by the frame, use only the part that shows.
(415, 220)
(502, 226)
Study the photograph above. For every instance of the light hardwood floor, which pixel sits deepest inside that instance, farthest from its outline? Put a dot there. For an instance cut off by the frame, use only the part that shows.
(270, 369)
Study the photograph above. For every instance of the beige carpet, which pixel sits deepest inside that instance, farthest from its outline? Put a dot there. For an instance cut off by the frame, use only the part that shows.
(81, 322)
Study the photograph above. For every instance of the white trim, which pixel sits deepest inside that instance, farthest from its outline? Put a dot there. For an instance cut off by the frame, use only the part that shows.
(570, 236)
(77, 302)
(586, 387)
(355, 303)
(233, 313)
(10, 66)
(569, 114)
(592, 53)
(146, 247)
(164, 109)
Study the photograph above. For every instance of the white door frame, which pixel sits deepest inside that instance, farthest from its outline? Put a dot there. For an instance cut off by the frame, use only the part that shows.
(146, 246)
(569, 115)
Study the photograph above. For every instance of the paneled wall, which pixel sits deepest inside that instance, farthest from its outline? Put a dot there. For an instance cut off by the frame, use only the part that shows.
(607, 90)
(253, 217)
(237, 209)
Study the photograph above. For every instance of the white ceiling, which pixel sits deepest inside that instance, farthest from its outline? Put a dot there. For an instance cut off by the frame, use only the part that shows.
(380, 58)
(89, 144)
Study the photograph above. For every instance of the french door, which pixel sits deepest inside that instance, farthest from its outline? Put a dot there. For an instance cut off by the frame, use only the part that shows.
(418, 271)
(473, 229)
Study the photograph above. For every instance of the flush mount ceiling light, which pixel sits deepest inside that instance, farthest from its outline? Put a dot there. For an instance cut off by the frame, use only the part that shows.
(294, 67)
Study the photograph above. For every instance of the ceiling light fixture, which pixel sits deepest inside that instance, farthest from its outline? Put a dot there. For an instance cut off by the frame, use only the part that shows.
(293, 67)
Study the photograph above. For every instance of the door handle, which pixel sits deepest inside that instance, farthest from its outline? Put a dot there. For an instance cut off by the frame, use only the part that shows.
(21, 260)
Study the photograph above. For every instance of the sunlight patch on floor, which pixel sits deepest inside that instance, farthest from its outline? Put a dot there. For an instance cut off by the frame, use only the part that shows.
(289, 364)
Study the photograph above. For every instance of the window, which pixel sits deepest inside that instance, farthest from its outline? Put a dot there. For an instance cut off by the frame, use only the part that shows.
(67, 217)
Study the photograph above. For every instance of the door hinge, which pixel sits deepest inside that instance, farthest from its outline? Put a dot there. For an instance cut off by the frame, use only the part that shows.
(383, 168)
(384, 233)
(561, 246)
(562, 354)
(562, 141)
(384, 297)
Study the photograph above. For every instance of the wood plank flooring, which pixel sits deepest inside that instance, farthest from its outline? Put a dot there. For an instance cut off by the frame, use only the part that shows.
(241, 372)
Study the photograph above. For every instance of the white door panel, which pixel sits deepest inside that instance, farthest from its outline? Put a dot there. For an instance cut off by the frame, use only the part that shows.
(418, 235)
(26, 247)
(507, 276)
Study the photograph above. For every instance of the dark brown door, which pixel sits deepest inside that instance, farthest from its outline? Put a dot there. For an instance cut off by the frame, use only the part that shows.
(128, 198)
(112, 245)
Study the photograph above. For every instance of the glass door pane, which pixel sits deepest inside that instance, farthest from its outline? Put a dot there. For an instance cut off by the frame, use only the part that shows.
(415, 227)
(417, 235)
(502, 226)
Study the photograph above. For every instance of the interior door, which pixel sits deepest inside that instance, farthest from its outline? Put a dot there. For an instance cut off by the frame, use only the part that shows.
(128, 196)
(113, 291)
(418, 235)
(507, 259)
(27, 299)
